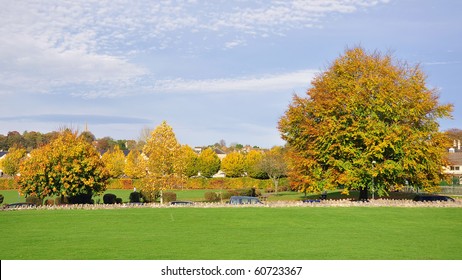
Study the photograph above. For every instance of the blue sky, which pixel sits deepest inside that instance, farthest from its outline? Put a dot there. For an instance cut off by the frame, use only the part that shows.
(212, 69)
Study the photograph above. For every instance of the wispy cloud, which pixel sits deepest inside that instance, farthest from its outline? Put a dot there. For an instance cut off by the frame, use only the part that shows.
(443, 62)
(77, 118)
(57, 47)
(257, 84)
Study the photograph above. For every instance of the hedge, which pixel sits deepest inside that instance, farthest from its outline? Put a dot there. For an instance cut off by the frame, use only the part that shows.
(8, 184)
(191, 183)
(231, 183)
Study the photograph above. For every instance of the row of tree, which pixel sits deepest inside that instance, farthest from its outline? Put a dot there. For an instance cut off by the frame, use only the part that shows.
(71, 166)
(30, 140)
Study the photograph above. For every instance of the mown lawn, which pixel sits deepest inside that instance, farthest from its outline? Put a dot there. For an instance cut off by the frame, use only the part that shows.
(233, 233)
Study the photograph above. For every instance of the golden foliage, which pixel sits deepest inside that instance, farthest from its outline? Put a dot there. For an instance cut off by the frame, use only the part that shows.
(165, 164)
(365, 121)
(67, 166)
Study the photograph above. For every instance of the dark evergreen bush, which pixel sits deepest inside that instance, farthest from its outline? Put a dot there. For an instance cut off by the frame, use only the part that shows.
(109, 198)
(135, 197)
(118, 200)
(1, 198)
(83, 198)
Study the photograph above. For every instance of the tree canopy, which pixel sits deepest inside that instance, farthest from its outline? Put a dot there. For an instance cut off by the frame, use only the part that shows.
(165, 163)
(114, 160)
(366, 121)
(208, 163)
(10, 164)
(233, 164)
(67, 166)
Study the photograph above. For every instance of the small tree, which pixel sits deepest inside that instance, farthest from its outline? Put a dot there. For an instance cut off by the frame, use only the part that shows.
(114, 160)
(208, 163)
(165, 164)
(190, 161)
(12, 161)
(253, 166)
(233, 164)
(135, 166)
(274, 165)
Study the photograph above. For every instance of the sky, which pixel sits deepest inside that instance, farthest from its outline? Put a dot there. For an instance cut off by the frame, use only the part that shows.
(214, 70)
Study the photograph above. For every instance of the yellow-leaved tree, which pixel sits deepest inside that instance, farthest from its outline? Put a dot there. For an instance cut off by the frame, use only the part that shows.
(233, 164)
(114, 160)
(367, 123)
(208, 163)
(190, 161)
(252, 164)
(165, 164)
(11, 162)
(135, 167)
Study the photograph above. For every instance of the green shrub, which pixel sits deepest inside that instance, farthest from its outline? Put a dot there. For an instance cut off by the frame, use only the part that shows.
(49, 202)
(1, 198)
(243, 192)
(149, 196)
(118, 200)
(34, 200)
(211, 196)
(109, 198)
(168, 197)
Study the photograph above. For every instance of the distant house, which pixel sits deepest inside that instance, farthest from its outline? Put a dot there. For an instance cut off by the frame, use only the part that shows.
(455, 162)
(2, 156)
(220, 153)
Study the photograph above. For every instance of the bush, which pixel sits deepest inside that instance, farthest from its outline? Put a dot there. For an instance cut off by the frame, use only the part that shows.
(109, 198)
(83, 198)
(149, 196)
(61, 200)
(243, 192)
(34, 200)
(211, 196)
(168, 197)
(118, 200)
(135, 197)
(49, 202)
(1, 198)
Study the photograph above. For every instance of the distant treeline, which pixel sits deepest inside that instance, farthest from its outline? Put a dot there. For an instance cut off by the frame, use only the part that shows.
(31, 140)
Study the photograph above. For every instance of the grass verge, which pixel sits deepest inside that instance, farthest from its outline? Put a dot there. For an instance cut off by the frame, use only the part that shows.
(233, 233)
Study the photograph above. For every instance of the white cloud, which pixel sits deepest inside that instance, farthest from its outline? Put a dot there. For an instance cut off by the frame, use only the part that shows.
(265, 83)
(46, 46)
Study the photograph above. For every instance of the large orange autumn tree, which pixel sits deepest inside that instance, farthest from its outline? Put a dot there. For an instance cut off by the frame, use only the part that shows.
(68, 166)
(367, 122)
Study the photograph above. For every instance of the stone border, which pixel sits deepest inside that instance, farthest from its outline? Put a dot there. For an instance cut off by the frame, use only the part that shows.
(276, 204)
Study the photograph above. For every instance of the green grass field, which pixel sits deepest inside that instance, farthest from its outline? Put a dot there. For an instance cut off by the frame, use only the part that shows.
(233, 233)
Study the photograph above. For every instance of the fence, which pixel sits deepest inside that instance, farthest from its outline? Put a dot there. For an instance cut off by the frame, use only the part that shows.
(451, 190)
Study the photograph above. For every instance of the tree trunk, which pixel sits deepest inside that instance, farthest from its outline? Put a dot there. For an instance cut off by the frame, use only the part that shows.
(364, 194)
